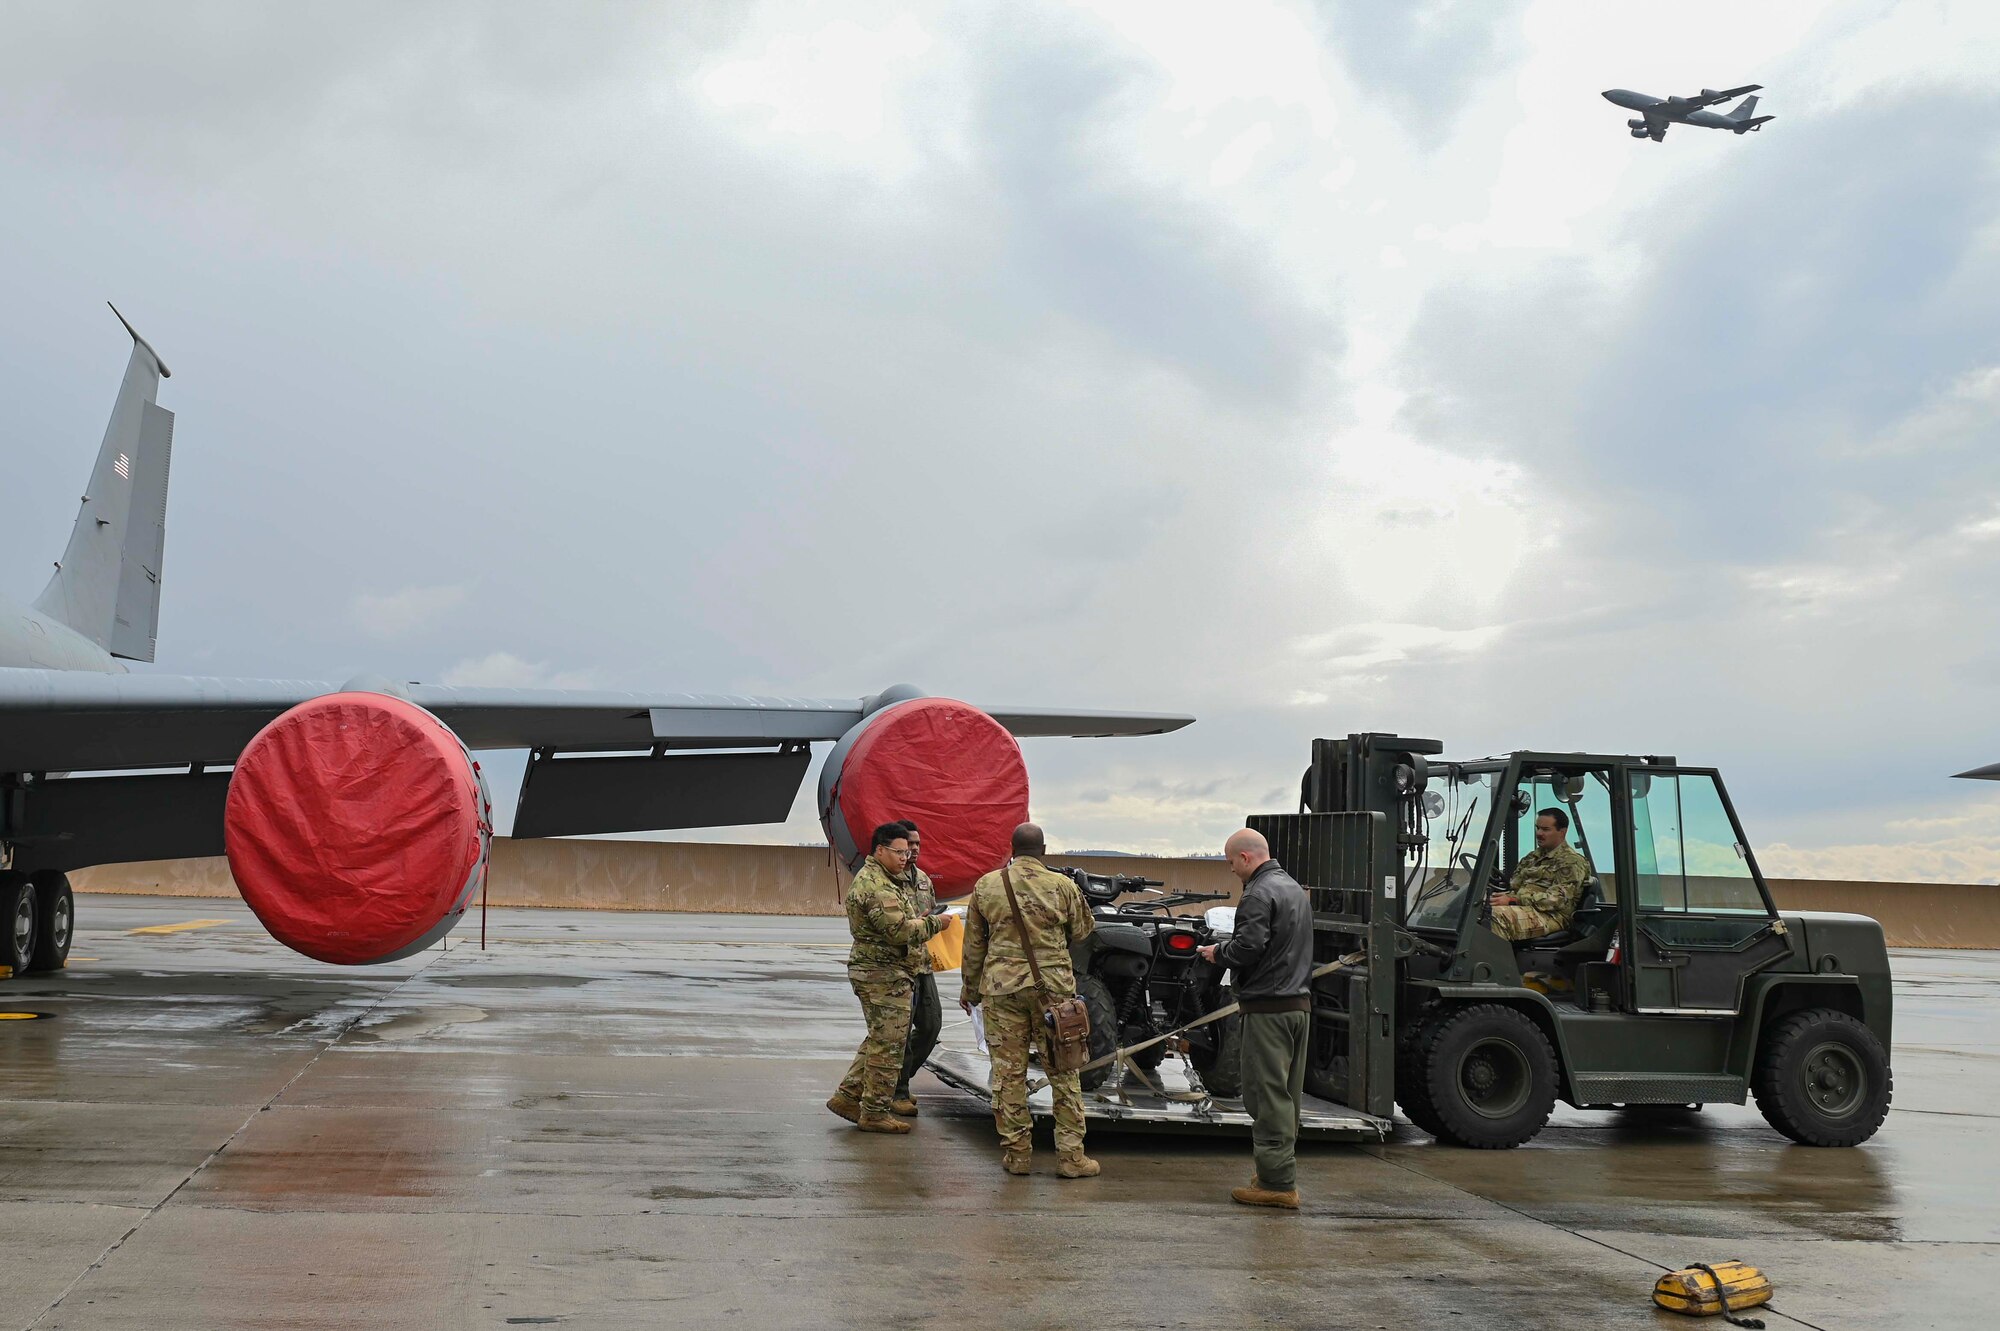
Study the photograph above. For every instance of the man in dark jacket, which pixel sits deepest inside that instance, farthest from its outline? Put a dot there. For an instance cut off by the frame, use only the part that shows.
(1271, 954)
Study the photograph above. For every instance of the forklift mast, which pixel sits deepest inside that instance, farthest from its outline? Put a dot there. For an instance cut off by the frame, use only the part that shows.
(1351, 845)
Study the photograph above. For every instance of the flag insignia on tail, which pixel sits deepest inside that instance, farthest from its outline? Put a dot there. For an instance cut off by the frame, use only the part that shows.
(123, 466)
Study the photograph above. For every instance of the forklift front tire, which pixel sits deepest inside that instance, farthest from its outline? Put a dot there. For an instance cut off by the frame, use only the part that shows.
(1412, 1081)
(1490, 1076)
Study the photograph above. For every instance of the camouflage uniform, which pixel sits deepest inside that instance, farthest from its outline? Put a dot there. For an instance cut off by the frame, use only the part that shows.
(926, 1013)
(996, 971)
(1548, 884)
(882, 916)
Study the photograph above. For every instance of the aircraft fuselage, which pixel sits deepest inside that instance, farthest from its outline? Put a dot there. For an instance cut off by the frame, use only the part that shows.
(32, 640)
(1681, 110)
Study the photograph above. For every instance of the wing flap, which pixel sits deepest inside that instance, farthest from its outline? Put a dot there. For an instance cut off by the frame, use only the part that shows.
(595, 796)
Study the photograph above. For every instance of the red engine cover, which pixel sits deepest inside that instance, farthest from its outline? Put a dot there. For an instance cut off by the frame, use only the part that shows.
(949, 767)
(357, 828)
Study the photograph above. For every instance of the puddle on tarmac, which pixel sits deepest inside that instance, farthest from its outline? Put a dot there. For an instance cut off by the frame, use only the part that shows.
(412, 1025)
(474, 980)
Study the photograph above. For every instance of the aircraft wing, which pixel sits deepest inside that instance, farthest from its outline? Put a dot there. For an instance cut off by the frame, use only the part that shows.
(64, 721)
(635, 762)
(1711, 98)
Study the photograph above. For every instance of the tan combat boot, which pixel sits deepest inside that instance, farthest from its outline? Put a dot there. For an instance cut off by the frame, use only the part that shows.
(906, 1105)
(846, 1106)
(1258, 1195)
(1077, 1166)
(1016, 1162)
(881, 1123)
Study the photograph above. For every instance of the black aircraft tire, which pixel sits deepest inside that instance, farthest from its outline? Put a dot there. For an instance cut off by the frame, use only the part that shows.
(1823, 1079)
(55, 920)
(1221, 1073)
(1096, 996)
(17, 921)
(1490, 1076)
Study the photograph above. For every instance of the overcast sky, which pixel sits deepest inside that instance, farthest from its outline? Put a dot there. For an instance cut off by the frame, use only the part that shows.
(1309, 368)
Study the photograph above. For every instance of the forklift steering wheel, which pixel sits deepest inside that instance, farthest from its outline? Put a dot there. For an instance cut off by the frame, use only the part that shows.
(1496, 883)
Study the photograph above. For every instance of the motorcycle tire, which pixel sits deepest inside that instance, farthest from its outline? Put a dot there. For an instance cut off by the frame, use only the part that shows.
(1150, 1057)
(1096, 996)
(1219, 1064)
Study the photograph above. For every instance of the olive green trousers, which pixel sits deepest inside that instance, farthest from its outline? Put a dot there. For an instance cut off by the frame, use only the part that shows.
(1274, 1077)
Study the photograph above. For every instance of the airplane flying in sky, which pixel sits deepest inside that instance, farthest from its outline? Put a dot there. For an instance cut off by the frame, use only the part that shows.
(157, 752)
(1656, 113)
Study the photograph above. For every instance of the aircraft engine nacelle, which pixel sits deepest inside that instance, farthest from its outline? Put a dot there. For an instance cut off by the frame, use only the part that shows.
(1635, 124)
(947, 766)
(1709, 92)
(358, 828)
(1638, 133)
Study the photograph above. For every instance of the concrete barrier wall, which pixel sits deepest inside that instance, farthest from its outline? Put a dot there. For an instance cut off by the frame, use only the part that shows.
(802, 880)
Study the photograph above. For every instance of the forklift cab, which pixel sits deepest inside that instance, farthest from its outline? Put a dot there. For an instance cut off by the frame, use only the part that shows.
(1675, 914)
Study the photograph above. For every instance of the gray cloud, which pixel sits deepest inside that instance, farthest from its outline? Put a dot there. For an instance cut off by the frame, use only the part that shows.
(1425, 58)
(458, 297)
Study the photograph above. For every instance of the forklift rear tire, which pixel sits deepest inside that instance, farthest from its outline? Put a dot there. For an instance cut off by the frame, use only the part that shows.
(17, 921)
(1490, 1075)
(1096, 996)
(55, 919)
(1823, 1079)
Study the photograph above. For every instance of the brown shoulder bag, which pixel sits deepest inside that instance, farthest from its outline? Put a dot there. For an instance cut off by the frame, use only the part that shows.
(1067, 1019)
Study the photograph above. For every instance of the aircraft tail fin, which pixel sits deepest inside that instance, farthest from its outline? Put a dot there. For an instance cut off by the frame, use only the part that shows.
(107, 586)
(1746, 110)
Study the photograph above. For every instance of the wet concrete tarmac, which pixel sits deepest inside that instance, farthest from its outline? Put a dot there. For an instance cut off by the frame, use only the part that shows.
(615, 1120)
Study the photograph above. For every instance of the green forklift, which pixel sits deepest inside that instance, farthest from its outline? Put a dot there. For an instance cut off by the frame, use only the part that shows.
(1678, 983)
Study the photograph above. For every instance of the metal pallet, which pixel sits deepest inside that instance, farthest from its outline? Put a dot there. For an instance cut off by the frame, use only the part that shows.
(1130, 1107)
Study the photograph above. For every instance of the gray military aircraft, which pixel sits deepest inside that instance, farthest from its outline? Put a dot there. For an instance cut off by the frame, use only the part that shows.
(1659, 112)
(163, 744)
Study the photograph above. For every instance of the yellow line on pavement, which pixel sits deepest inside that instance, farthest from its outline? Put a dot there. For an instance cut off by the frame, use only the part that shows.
(180, 928)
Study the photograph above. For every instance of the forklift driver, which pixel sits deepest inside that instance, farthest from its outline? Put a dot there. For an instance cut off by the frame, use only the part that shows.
(1548, 882)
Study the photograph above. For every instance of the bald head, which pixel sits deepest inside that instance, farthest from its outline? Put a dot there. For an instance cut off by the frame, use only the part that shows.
(1246, 851)
(1028, 840)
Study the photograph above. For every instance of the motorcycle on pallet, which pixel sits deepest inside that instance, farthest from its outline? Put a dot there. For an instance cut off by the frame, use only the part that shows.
(1140, 972)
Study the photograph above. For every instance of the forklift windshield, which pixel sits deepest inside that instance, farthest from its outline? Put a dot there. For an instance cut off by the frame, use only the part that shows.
(1457, 804)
